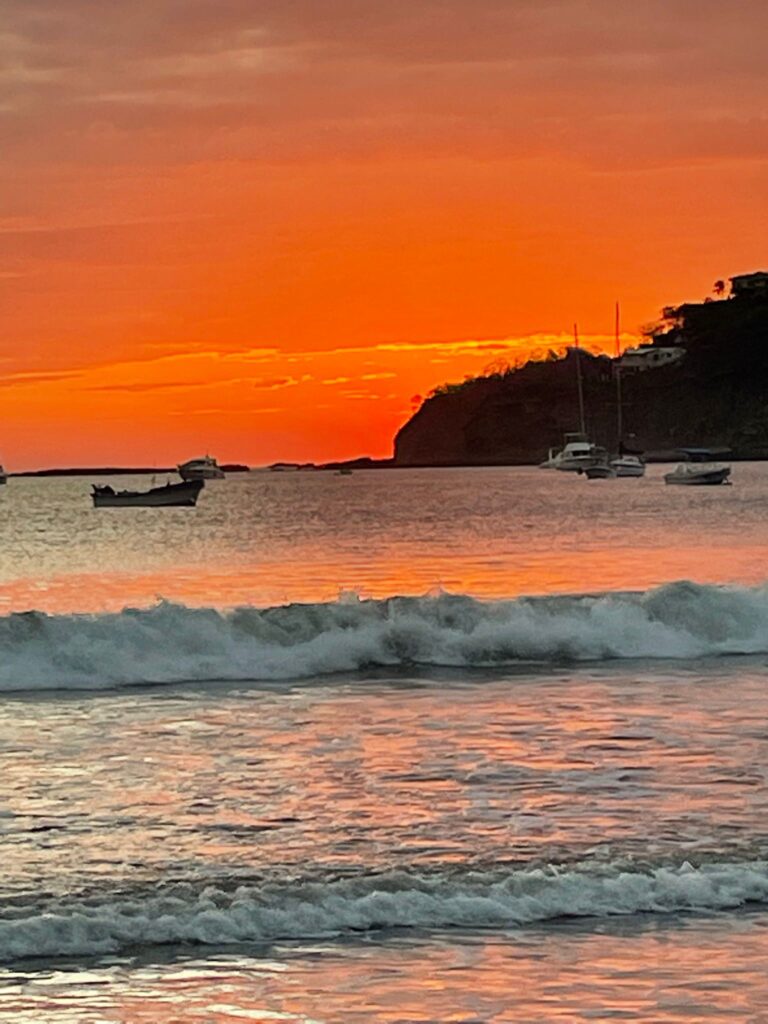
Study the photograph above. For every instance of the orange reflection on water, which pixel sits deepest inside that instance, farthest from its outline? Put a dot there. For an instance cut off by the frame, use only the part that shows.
(313, 579)
(692, 970)
(267, 539)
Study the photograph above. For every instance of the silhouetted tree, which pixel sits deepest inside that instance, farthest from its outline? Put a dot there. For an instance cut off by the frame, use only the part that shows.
(719, 288)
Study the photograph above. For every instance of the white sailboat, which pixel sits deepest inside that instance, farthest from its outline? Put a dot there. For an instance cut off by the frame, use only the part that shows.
(578, 453)
(625, 464)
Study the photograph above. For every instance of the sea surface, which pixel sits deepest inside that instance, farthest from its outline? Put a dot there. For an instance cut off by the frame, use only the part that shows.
(462, 745)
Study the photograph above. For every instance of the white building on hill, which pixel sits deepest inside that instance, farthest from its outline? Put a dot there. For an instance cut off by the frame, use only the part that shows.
(650, 357)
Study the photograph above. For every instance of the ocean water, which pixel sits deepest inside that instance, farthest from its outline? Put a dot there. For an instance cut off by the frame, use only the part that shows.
(408, 746)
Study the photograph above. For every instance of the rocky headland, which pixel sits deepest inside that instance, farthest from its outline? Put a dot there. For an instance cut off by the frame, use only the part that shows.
(713, 393)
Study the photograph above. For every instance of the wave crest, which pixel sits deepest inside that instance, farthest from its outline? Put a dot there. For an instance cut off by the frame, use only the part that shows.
(246, 913)
(173, 643)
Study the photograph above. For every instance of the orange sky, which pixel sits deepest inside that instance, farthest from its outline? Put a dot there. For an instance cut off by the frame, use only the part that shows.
(260, 228)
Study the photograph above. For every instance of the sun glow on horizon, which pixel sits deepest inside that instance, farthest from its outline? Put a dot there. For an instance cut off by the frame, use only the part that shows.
(264, 231)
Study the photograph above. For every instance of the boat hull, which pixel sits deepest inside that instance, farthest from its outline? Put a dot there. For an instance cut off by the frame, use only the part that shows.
(600, 472)
(182, 495)
(189, 475)
(575, 465)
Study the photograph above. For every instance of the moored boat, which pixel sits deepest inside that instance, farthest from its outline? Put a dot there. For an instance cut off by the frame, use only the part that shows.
(578, 452)
(698, 469)
(169, 495)
(628, 465)
(697, 473)
(576, 455)
(205, 468)
(600, 471)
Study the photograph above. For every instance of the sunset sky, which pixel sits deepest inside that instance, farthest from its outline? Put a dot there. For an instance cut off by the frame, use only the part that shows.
(259, 228)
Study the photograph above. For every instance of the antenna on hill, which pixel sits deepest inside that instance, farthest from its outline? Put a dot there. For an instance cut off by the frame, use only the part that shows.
(578, 379)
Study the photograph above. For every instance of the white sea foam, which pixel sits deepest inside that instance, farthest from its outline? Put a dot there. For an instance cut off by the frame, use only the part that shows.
(215, 916)
(172, 643)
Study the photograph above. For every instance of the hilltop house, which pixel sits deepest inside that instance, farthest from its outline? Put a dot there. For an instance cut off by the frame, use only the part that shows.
(650, 357)
(750, 285)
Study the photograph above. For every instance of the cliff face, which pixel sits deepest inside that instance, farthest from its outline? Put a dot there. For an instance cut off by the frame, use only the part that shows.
(717, 396)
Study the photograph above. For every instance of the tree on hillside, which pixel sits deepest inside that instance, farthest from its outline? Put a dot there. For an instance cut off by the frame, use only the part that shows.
(719, 288)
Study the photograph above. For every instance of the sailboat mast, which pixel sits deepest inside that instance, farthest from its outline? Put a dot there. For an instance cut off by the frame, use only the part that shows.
(619, 424)
(582, 426)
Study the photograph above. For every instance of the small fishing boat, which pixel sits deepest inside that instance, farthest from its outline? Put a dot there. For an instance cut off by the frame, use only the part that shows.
(169, 495)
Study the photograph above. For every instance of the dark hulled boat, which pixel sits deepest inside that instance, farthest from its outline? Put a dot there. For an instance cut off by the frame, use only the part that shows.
(169, 495)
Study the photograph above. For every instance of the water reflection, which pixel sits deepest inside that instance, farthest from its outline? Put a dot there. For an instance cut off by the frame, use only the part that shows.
(694, 970)
(271, 538)
(361, 777)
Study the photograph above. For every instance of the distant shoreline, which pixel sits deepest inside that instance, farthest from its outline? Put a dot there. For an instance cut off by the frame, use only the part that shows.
(354, 464)
(119, 470)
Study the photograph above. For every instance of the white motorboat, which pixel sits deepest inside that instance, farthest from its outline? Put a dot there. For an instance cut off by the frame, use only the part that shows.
(575, 456)
(628, 465)
(698, 473)
(698, 469)
(205, 468)
(169, 495)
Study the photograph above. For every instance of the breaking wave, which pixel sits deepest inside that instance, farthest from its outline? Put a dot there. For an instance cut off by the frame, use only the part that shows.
(217, 915)
(172, 643)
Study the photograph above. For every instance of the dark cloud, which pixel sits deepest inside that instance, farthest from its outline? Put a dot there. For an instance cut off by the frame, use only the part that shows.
(15, 380)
